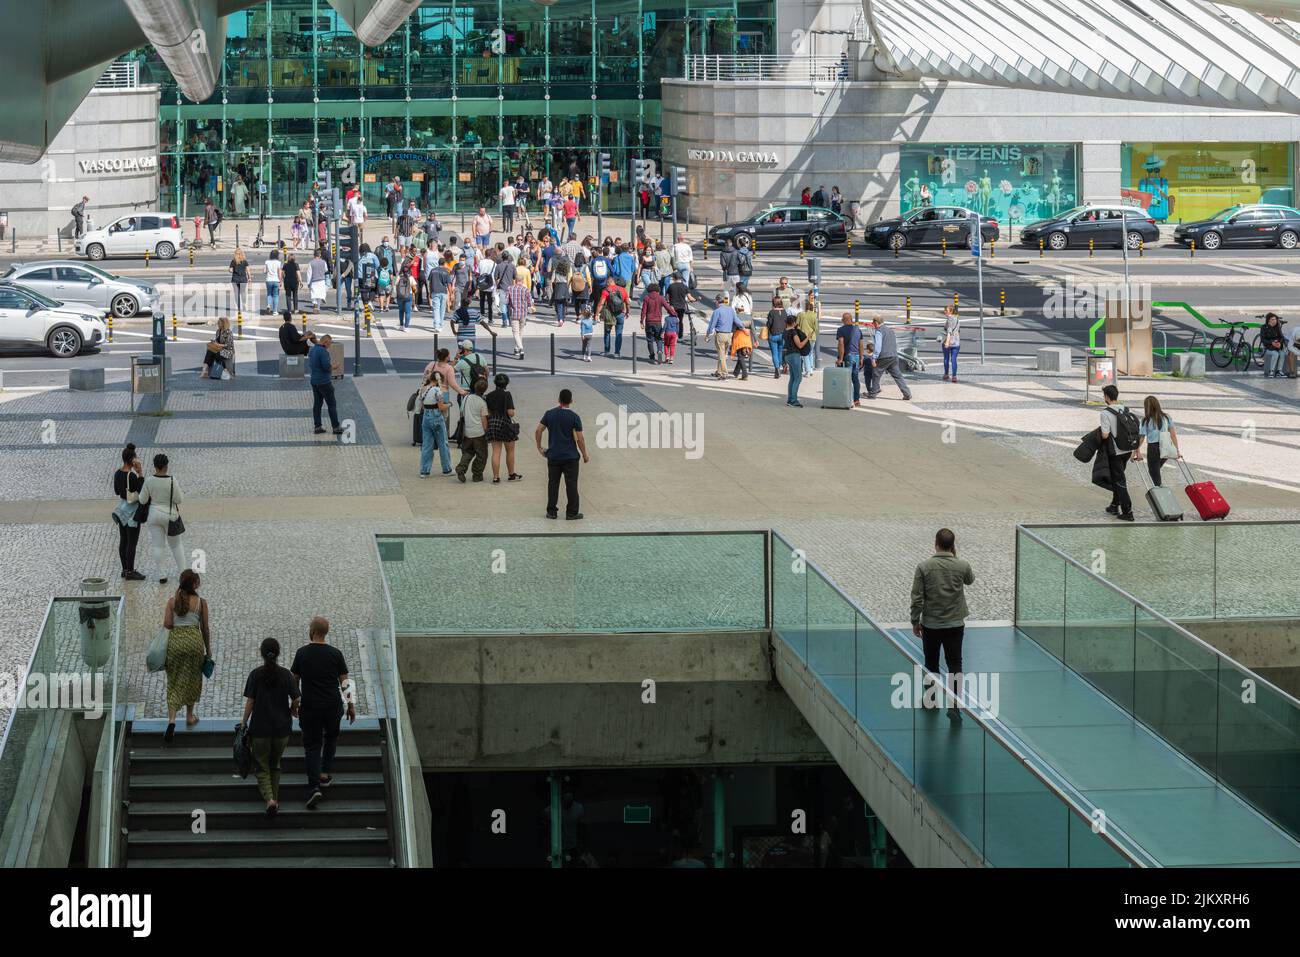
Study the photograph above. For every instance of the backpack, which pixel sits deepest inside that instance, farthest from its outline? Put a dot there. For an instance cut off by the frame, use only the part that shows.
(477, 369)
(404, 285)
(368, 275)
(600, 269)
(577, 283)
(1127, 431)
(484, 282)
(385, 276)
(615, 306)
(744, 267)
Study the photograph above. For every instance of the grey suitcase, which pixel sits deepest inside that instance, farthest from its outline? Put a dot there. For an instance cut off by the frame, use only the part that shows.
(1161, 498)
(837, 388)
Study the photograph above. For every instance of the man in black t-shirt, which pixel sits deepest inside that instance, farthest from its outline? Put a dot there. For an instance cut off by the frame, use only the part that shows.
(321, 672)
(565, 444)
(679, 297)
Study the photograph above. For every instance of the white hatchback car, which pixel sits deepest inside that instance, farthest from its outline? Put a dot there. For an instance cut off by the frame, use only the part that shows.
(159, 234)
(30, 320)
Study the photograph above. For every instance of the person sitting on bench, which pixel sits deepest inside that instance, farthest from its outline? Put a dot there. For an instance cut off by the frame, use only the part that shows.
(293, 342)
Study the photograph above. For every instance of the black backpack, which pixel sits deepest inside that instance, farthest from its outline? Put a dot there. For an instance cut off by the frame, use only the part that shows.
(1127, 431)
(744, 267)
(484, 282)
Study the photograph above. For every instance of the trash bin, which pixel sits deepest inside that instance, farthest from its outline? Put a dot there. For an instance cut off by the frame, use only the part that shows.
(146, 375)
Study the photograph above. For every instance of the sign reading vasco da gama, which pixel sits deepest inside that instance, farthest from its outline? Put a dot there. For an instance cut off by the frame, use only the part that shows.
(129, 164)
(739, 157)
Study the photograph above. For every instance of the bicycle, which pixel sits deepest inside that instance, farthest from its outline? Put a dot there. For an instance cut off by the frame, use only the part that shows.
(1233, 349)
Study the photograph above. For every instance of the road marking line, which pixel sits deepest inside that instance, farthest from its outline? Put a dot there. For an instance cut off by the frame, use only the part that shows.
(382, 349)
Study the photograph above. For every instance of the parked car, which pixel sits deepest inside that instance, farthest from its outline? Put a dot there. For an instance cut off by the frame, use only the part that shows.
(1098, 223)
(29, 319)
(929, 226)
(158, 233)
(81, 284)
(1255, 224)
(817, 226)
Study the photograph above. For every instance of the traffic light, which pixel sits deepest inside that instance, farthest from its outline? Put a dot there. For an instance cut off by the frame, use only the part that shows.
(349, 251)
(638, 170)
(604, 167)
(814, 270)
(679, 180)
(324, 181)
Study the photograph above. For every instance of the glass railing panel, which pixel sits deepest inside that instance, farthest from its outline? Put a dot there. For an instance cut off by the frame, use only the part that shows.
(950, 769)
(1099, 635)
(888, 686)
(562, 584)
(831, 641)
(790, 596)
(1253, 578)
(1027, 823)
(1088, 846)
(1176, 687)
(1040, 594)
(1259, 745)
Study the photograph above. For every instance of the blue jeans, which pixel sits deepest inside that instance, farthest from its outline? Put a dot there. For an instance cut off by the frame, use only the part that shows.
(561, 308)
(404, 312)
(438, 303)
(504, 310)
(1273, 361)
(950, 357)
(851, 364)
(434, 432)
(572, 225)
(273, 296)
(809, 362)
(792, 387)
(617, 329)
(774, 343)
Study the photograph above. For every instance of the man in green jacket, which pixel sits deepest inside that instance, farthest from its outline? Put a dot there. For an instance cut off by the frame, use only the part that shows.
(808, 322)
(939, 609)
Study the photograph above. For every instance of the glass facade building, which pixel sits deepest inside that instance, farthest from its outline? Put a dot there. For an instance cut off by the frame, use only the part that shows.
(458, 97)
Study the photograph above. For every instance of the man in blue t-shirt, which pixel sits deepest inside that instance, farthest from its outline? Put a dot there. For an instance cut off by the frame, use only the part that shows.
(848, 342)
(565, 444)
(321, 368)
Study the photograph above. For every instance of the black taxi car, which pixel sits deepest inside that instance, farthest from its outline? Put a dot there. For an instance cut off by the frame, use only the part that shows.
(817, 226)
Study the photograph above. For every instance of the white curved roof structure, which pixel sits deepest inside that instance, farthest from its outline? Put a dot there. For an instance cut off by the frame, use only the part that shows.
(1243, 54)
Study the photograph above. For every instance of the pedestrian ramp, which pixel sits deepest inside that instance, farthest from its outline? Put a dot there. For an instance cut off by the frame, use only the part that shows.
(1044, 767)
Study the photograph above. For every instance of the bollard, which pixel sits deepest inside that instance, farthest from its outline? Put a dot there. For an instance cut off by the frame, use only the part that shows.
(753, 248)
(146, 259)
(706, 245)
(494, 353)
(279, 243)
(1092, 246)
(552, 353)
(236, 236)
(943, 241)
(692, 353)
(369, 334)
(857, 310)
(993, 249)
(174, 336)
(896, 248)
(1141, 247)
(58, 236)
(304, 322)
(191, 255)
(1040, 249)
(956, 302)
(1004, 302)
(634, 353)
(110, 327)
(801, 248)
(909, 308)
(849, 241)
(239, 324)
(13, 241)
(1192, 249)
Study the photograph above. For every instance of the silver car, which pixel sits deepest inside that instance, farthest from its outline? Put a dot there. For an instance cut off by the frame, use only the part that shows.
(80, 284)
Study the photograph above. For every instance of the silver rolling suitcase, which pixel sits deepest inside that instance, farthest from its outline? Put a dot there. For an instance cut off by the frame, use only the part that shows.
(837, 387)
(1161, 498)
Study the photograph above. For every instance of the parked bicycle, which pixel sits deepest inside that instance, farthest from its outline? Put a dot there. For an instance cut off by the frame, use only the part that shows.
(1233, 349)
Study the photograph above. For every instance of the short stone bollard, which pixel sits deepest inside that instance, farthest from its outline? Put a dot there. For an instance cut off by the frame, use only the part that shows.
(293, 367)
(1054, 359)
(86, 380)
(1189, 365)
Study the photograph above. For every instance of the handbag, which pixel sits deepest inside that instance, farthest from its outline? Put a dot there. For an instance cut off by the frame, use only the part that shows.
(209, 666)
(174, 526)
(214, 346)
(155, 657)
(242, 753)
(1167, 448)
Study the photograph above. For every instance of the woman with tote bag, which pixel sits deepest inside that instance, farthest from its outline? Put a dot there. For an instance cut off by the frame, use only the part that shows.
(160, 508)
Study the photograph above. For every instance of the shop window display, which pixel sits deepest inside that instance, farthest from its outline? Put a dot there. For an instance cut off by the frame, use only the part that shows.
(1014, 183)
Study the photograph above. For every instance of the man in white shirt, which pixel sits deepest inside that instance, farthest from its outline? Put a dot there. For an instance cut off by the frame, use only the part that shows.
(1121, 505)
(357, 216)
(507, 195)
(683, 256)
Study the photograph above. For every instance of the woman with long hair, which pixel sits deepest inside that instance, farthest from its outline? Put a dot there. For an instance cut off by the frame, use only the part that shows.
(292, 273)
(271, 700)
(239, 277)
(502, 430)
(217, 361)
(1159, 435)
(188, 645)
(163, 496)
(128, 479)
(435, 404)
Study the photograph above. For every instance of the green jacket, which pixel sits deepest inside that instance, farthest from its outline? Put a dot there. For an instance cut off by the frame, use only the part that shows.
(938, 591)
(807, 323)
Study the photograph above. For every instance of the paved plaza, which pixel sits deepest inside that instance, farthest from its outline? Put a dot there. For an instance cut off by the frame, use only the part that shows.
(281, 522)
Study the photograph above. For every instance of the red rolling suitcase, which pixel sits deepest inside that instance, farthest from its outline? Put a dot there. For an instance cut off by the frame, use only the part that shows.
(1207, 499)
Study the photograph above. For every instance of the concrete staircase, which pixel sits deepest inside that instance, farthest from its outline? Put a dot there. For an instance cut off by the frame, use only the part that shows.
(168, 783)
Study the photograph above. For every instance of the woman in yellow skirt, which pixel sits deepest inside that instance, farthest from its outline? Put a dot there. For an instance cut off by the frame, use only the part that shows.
(187, 647)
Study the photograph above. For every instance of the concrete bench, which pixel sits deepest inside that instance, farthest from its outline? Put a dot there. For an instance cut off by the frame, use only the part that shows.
(1189, 365)
(85, 380)
(1054, 359)
(293, 367)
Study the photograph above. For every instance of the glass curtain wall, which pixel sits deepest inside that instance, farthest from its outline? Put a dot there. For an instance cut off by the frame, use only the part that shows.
(461, 96)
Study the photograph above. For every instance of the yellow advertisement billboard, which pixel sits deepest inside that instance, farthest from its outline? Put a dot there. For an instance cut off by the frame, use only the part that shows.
(1183, 182)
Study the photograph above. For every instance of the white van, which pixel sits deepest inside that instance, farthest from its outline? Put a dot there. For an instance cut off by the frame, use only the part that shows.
(158, 233)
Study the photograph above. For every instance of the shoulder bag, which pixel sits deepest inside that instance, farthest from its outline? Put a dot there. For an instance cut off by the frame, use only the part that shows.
(155, 658)
(175, 526)
(141, 508)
